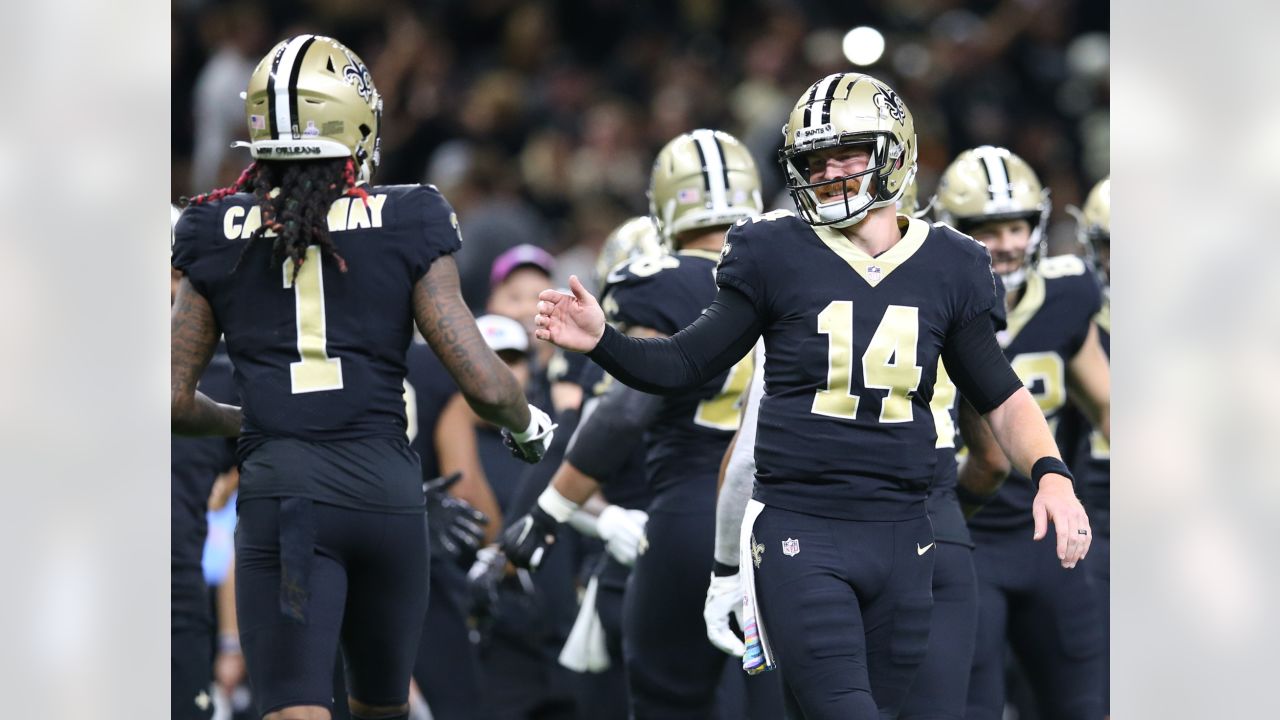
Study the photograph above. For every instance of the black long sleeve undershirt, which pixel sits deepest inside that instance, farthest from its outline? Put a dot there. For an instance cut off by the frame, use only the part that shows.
(720, 337)
(978, 366)
(611, 428)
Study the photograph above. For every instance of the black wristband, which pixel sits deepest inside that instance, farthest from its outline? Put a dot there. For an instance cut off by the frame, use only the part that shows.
(1049, 464)
(719, 569)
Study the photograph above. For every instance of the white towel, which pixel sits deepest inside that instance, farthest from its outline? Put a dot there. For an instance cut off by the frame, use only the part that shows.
(585, 650)
(758, 657)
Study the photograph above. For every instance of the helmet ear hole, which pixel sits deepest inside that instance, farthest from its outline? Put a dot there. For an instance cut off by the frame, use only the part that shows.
(365, 131)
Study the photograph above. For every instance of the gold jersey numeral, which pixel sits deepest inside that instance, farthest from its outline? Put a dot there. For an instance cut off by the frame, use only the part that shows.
(724, 410)
(889, 362)
(944, 398)
(315, 371)
(1048, 369)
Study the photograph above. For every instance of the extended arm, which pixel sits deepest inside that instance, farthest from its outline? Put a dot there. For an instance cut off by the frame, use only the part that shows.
(449, 327)
(193, 335)
(710, 345)
(984, 377)
(1089, 382)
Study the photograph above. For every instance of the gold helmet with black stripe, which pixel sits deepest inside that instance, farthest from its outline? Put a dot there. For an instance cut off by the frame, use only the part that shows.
(633, 238)
(702, 179)
(989, 184)
(848, 110)
(1093, 228)
(310, 98)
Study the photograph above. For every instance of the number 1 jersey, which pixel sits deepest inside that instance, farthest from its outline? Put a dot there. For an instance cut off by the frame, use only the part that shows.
(851, 352)
(321, 357)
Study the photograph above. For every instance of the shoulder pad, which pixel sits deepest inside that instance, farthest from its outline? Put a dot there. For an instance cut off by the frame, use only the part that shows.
(1060, 266)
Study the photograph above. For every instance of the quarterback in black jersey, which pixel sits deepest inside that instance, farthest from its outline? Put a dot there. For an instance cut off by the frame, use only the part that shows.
(702, 182)
(856, 305)
(316, 279)
(1049, 615)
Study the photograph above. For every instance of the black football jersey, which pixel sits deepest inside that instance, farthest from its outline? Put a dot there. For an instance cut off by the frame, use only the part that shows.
(428, 387)
(852, 344)
(628, 487)
(323, 357)
(688, 438)
(1046, 329)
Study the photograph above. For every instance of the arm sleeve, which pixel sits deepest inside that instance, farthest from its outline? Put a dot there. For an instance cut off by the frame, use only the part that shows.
(720, 337)
(978, 366)
(740, 473)
(611, 428)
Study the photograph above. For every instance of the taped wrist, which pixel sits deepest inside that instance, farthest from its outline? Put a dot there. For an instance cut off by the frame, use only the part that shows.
(720, 569)
(559, 507)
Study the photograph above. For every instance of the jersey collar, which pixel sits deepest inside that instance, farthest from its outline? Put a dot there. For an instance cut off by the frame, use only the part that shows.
(698, 252)
(1030, 302)
(875, 269)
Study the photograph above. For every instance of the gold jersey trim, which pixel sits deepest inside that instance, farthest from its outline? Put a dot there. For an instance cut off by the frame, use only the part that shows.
(875, 269)
(1028, 305)
(698, 252)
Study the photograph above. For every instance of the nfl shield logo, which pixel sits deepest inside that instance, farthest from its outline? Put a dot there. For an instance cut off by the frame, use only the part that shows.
(873, 273)
(790, 547)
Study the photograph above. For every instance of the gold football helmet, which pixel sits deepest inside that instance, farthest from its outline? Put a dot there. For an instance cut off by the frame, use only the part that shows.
(1093, 228)
(702, 179)
(849, 109)
(310, 98)
(990, 184)
(633, 238)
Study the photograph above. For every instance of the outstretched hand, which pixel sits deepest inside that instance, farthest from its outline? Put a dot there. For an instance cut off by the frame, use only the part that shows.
(574, 322)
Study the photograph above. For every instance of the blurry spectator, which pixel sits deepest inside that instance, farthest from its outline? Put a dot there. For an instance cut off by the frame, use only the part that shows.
(236, 34)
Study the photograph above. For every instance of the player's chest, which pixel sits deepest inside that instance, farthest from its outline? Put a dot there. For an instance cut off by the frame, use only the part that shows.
(1039, 354)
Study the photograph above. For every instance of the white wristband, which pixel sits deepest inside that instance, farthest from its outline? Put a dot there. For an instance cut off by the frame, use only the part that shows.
(536, 418)
(556, 505)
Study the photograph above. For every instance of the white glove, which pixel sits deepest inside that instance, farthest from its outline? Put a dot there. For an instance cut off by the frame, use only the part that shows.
(531, 443)
(623, 533)
(724, 597)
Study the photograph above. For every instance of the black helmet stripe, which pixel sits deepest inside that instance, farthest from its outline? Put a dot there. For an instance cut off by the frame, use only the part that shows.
(293, 83)
(831, 95)
(724, 160)
(997, 171)
(808, 106)
(282, 85)
(714, 172)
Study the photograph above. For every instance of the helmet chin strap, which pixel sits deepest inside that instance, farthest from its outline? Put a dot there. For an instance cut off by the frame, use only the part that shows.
(1015, 279)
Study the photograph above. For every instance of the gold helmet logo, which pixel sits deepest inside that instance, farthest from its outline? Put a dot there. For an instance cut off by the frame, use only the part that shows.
(844, 110)
(311, 97)
(702, 179)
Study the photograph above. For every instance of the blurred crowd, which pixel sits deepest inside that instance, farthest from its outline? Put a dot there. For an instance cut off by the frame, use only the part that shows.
(538, 119)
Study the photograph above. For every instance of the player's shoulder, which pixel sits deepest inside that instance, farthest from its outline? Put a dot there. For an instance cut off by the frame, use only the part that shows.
(1068, 275)
(772, 223)
(646, 271)
(952, 243)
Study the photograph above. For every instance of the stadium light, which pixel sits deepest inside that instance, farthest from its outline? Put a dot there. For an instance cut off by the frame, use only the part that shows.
(863, 45)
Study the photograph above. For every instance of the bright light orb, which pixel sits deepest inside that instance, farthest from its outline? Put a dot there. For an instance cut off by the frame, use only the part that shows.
(863, 45)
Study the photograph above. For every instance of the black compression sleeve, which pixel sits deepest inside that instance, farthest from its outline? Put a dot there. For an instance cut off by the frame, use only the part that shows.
(609, 432)
(978, 366)
(720, 337)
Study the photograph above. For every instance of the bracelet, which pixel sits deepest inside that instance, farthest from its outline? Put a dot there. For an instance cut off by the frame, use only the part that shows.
(719, 569)
(1049, 464)
(229, 643)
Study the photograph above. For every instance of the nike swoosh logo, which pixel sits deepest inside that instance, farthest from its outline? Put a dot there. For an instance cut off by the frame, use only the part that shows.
(923, 550)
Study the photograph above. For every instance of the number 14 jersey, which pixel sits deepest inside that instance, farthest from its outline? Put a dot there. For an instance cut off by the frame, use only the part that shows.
(852, 345)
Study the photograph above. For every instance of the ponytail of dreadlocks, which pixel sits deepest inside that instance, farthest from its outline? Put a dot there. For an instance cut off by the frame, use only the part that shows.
(299, 213)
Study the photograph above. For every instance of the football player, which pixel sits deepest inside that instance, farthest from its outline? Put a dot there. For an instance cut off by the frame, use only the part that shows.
(1049, 615)
(856, 305)
(942, 682)
(316, 279)
(702, 182)
(1092, 451)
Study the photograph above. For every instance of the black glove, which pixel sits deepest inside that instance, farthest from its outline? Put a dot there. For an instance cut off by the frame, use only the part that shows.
(455, 525)
(527, 539)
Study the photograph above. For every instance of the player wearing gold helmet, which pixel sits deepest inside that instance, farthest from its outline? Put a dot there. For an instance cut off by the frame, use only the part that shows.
(316, 280)
(856, 305)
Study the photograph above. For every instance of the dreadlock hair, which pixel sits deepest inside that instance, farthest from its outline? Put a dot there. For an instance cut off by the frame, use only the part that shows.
(299, 213)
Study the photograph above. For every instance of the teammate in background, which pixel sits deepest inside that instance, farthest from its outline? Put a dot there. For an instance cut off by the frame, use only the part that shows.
(702, 182)
(1050, 616)
(625, 489)
(855, 305)
(195, 466)
(942, 682)
(1091, 452)
(316, 280)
